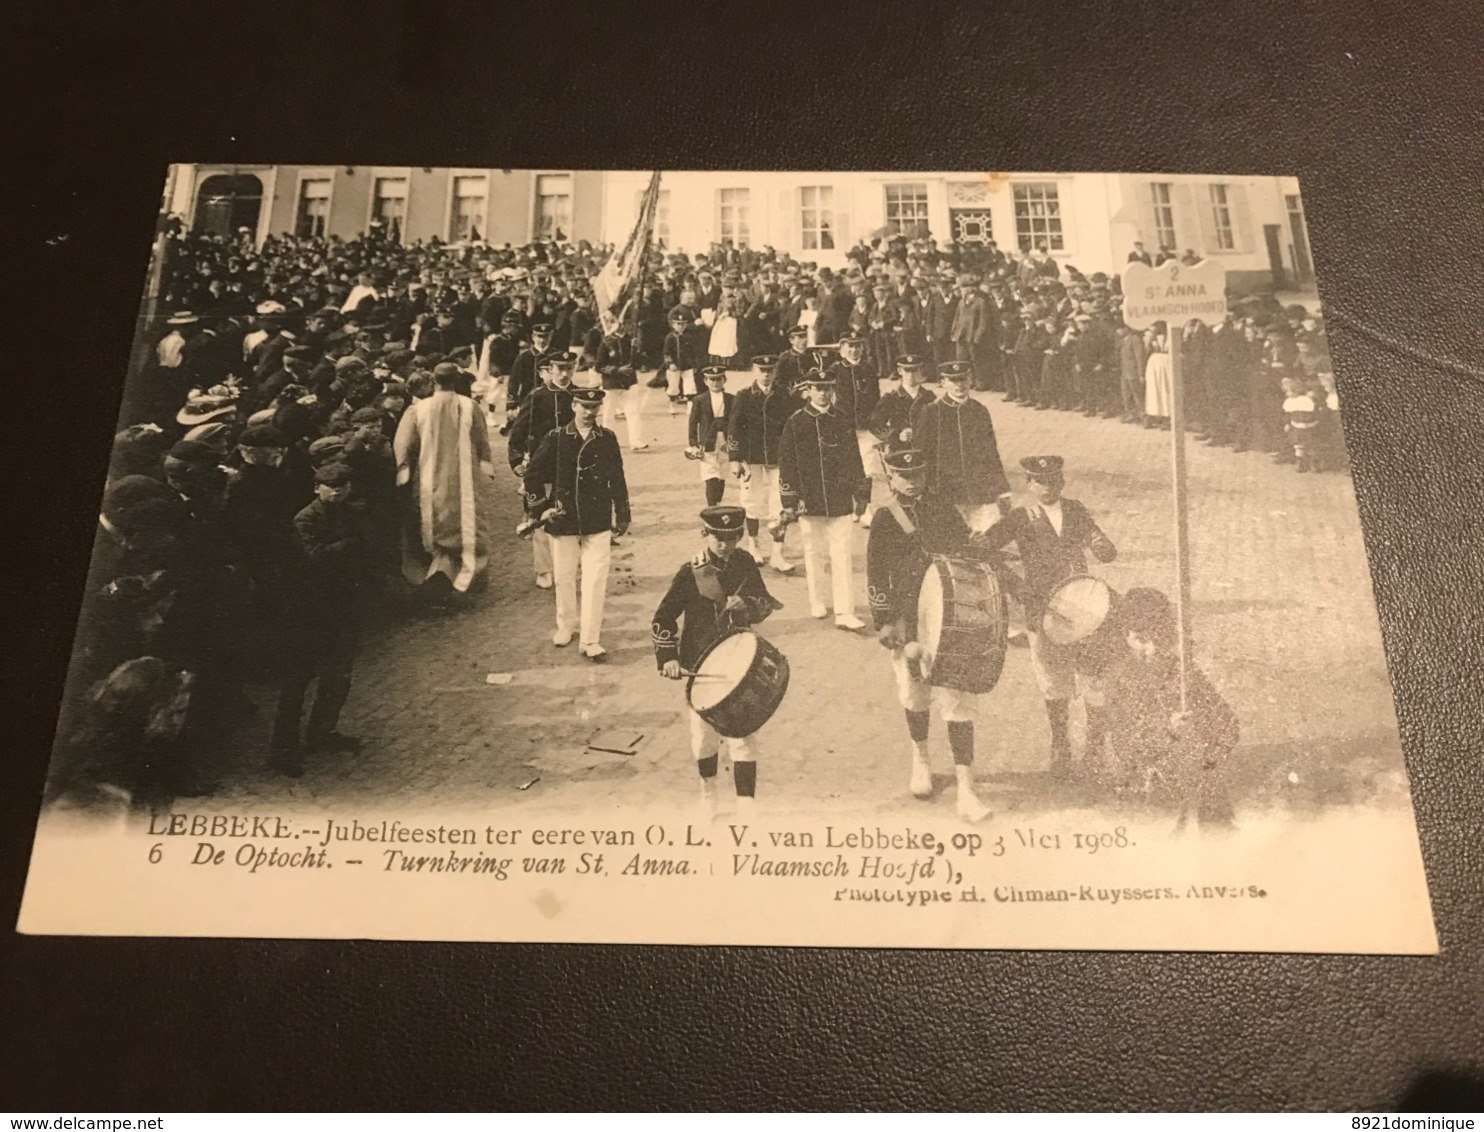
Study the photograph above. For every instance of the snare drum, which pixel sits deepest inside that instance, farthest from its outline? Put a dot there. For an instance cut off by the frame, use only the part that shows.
(962, 625)
(1080, 617)
(739, 683)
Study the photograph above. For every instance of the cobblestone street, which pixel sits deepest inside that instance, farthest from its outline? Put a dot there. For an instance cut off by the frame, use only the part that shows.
(1283, 623)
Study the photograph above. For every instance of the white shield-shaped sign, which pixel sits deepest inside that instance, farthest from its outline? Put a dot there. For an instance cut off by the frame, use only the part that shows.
(1174, 293)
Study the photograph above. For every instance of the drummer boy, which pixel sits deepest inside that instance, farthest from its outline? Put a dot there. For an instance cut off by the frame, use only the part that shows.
(904, 535)
(718, 591)
(1054, 534)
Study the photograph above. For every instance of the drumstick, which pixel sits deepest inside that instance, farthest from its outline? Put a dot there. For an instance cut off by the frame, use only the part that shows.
(704, 675)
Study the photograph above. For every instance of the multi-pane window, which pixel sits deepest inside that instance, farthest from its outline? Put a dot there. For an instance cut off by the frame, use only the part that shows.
(470, 195)
(733, 206)
(553, 206)
(817, 217)
(389, 205)
(1221, 219)
(1038, 216)
(907, 210)
(1164, 214)
(661, 214)
(314, 207)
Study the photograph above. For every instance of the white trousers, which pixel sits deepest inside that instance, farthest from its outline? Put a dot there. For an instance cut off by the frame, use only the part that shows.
(541, 550)
(830, 537)
(714, 464)
(630, 402)
(954, 706)
(591, 554)
(680, 382)
(760, 493)
(705, 741)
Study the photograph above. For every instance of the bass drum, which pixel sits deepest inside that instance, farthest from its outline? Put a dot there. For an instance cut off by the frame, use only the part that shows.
(738, 684)
(962, 625)
(1081, 616)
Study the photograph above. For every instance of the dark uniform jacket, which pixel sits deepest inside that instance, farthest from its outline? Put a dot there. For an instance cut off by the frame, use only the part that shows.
(897, 558)
(963, 457)
(523, 379)
(584, 477)
(856, 392)
(684, 350)
(705, 425)
(615, 362)
(697, 596)
(1049, 557)
(790, 368)
(819, 465)
(543, 410)
(898, 410)
(504, 348)
(758, 416)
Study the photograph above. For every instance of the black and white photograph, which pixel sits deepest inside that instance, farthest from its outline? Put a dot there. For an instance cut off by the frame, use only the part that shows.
(911, 559)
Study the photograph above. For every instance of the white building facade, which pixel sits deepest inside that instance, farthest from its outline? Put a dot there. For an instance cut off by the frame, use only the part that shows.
(1253, 225)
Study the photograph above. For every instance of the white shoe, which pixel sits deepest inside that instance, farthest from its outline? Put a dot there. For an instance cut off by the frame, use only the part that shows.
(969, 807)
(865, 520)
(818, 612)
(543, 581)
(921, 783)
(639, 447)
(781, 564)
(746, 805)
(595, 653)
(850, 623)
(562, 638)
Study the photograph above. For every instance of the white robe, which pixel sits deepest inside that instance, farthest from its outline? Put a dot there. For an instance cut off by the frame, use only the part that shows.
(1159, 386)
(439, 443)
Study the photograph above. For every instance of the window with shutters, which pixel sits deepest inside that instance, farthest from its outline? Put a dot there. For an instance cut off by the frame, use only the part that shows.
(907, 210)
(389, 205)
(1038, 220)
(314, 207)
(733, 207)
(553, 206)
(1162, 193)
(469, 197)
(1222, 228)
(816, 218)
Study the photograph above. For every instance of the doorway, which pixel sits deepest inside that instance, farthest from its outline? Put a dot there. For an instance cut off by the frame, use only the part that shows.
(227, 203)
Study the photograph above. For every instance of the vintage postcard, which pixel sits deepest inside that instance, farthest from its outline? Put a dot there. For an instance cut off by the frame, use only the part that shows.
(825, 558)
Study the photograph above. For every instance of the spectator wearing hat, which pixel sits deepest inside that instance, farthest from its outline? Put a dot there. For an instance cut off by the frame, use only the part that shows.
(1053, 534)
(296, 364)
(909, 530)
(973, 336)
(823, 483)
(710, 416)
(576, 483)
(894, 419)
(523, 372)
(440, 444)
(1095, 364)
(759, 413)
(1139, 255)
(368, 454)
(327, 608)
(717, 592)
(956, 437)
(1132, 360)
(939, 311)
(169, 350)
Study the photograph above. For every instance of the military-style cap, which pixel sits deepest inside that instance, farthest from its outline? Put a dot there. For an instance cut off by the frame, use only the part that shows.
(905, 461)
(798, 331)
(511, 318)
(587, 396)
(333, 475)
(556, 359)
(326, 450)
(541, 328)
(955, 371)
(711, 373)
(815, 378)
(724, 519)
(910, 361)
(1041, 467)
(852, 340)
(764, 361)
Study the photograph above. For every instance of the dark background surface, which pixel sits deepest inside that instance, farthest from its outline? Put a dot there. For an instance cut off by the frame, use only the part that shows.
(1379, 108)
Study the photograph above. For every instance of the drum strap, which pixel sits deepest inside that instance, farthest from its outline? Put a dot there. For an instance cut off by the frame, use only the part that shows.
(899, 513)
(708, 582)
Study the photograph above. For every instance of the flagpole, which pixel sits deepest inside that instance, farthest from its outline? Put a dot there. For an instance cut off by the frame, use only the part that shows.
(1182, 524)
